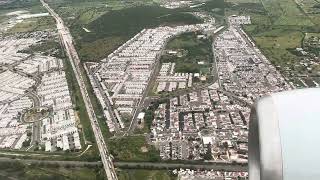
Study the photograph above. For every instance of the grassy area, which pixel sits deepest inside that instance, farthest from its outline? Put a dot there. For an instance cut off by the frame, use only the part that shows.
(138, 174)
(21, 4)
(30, 24)
(48, 47)
(117, 5)
(90, 51)
(195, 50)
(286, 12)
(81, 111)
(132, 148)
(34, 24)
(97, 107)
(79, 103)
(108, 4)
(92, 22)
(16, 170)
(278, 28)
(276, 44)
(309, 6)
(214, 6)
(243, 1)
(129, 22)
(132, 20)
(312, 9)
(193, 55)
(79, 12)
(311, 43)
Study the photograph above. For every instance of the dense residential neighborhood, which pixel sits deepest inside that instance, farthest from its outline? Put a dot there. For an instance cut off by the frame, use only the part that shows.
(146, 89)
(121, 80)
(36, 82)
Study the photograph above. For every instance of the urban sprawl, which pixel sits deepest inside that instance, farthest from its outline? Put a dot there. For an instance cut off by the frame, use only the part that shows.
(208, 123)
(35, 102)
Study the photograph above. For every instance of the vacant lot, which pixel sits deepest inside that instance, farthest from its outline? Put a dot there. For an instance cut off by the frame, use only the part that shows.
(286, 12)
(195, 51)
(18, 4)
(79, 12)
(277, 44)
(132, 148)
(214, 6)
(34, 24)
(31, 172)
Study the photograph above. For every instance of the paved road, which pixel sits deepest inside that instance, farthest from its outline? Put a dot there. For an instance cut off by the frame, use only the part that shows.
(106, 100)
(32, 95)
(140, 106)
(35, 98)
(67, 42)
(30, 91)
(230, 94)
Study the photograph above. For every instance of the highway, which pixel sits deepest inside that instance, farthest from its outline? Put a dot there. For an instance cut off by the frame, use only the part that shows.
(105, 98)
(72, 54)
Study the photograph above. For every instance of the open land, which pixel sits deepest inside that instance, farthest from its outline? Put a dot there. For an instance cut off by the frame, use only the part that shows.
(280, 29)
(151, 76)
(15, 170)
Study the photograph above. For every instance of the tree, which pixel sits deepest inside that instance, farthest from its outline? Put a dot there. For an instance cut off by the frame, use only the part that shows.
(208, 154)
(26, 143)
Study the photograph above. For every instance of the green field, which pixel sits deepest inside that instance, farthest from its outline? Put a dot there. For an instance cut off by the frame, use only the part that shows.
(78, 101)
(116, 27)
(86, 129)
(97, 107)
(117, 5)
(214, 6)
(277, 47)
(21, 4)
(138, 174)
(79, 12)
(50, 47)
(310, 6)
(34, 24)
(278, 28)
(132, 148)
(15, 170)
(243, 1)
(30, 24)
(99, 27)
(286, 12)
(89, 51)
(312, 9)
(196, 50)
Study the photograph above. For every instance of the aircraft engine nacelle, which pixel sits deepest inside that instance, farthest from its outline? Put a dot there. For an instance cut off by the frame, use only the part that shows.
(284, 136)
